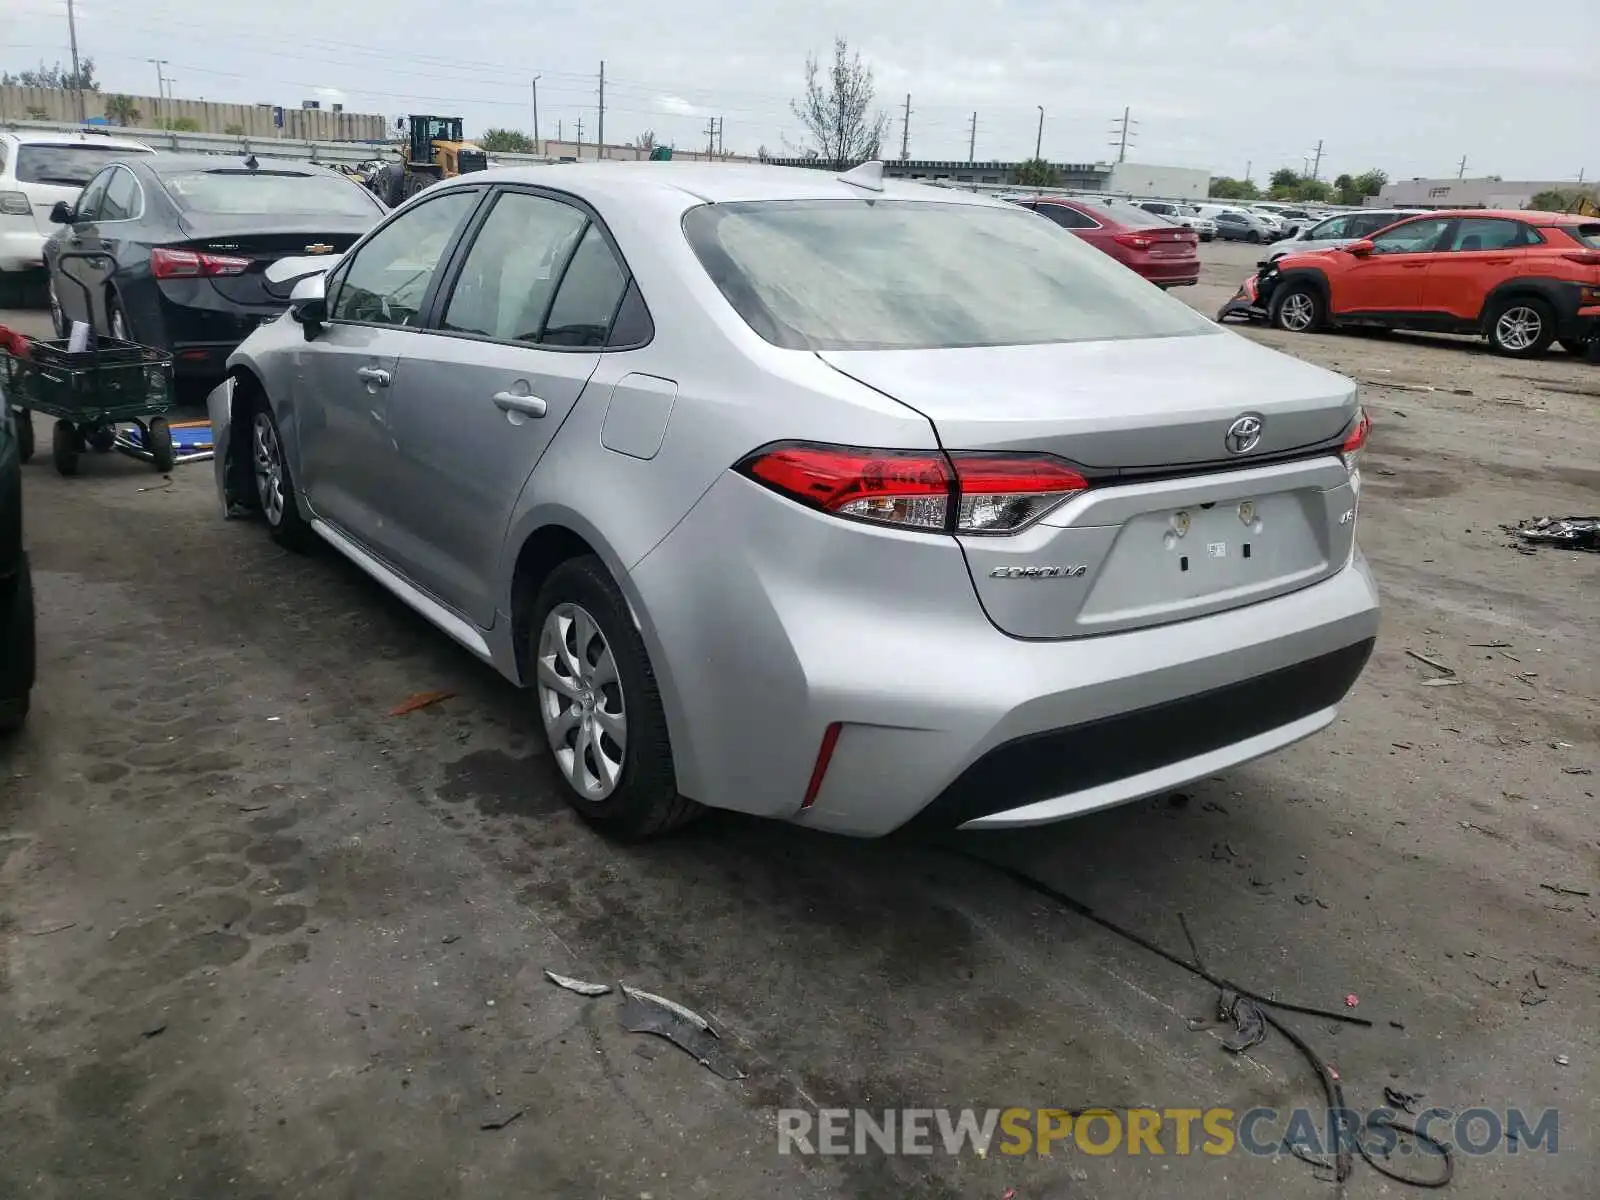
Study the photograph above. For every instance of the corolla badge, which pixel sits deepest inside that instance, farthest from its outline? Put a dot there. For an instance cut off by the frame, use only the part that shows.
(1075, 571)
(1244, 434)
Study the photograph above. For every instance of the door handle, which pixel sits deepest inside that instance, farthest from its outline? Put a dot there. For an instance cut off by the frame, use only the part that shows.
(375, 375)
(528, 406)
(1413, 266)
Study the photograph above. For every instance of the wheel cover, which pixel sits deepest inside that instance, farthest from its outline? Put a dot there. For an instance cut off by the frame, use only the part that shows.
(268, 457)
(580, 700)
(1519, 327)
(1297, 313)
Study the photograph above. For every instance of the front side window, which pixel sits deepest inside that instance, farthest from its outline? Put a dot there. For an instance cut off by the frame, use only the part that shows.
(387, 280)
(1414, 237)
(511, 272)
(1334, 227)
(903, 275)
(1067, 218)
(122, 202)
(89, 202)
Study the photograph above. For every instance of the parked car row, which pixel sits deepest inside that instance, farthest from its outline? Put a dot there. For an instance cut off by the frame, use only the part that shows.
(1151, 244)
(1523, 280)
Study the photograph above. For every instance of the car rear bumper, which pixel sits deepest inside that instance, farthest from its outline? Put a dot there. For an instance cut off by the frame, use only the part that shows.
(768, 623)
(1169, 272)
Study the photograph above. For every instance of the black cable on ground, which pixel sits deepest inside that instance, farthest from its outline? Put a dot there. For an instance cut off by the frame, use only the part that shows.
(1332, 1089)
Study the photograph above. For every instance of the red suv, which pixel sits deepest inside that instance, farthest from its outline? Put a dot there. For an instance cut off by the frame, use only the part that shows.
(1521, 279)
(1167, 255)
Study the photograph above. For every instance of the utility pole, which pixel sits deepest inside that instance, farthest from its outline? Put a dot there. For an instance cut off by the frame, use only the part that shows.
(1317, 165)
(1461, 171)
(161, 85)
(1038, 139)
(905, 131)
(1121, 128)
(534, 86)
(600, 137)
(711, 138)
(579, 154)
(722, 147)
(972, 137)
(1247, 165)
(72, 33)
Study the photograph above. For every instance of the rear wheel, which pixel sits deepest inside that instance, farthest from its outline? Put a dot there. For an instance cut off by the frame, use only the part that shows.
(24, 422)
(1522, 327)
(158, 440)
(413, 184)
(1252, 237)
(275, 483)
(598, 700)
(1297, 309)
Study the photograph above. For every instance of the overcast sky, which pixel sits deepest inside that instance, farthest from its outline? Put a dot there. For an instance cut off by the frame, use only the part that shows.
(1409, 87)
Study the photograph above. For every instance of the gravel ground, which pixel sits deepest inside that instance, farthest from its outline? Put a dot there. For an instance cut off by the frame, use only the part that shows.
(261, 938)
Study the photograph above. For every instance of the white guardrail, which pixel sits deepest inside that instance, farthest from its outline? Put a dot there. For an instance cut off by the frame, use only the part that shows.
(327, 153)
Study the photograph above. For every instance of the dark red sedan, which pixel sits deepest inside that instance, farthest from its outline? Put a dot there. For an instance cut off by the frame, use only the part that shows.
(1167, 255)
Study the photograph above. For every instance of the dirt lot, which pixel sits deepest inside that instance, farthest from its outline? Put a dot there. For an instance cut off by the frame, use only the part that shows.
(260, 938)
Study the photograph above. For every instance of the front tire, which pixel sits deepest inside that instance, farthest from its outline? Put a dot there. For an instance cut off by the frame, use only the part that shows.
(158, 440)
(601, 710)
(1522, 327)
(1253, 238)
(1298, 308)
(65, 447)
(275, 483)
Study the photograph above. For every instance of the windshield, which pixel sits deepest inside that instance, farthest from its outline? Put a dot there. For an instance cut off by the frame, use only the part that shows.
(906, 275)
(68, 165)
(251, 193)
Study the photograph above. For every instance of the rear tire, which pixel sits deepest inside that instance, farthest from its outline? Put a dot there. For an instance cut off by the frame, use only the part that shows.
(275, 490)
(65, 447)
(17, 653)
(1522, 327)
(412, 184)
(1253, 237)
(24, 421)
(593, 681)
(1298, 308)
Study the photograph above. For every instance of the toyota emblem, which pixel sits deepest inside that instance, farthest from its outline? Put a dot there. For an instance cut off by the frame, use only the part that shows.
(1243, 435)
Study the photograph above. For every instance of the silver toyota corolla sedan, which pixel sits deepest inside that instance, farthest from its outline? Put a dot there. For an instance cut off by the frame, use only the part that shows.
(834, 500)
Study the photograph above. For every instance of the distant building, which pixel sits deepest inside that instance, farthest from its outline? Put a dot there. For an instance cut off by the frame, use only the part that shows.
(1465, 193)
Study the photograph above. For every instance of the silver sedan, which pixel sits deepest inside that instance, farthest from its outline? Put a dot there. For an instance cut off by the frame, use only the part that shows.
(835, 500)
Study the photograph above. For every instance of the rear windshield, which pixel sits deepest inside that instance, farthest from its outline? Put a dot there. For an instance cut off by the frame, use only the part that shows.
(907, 275)
(68, 165)
(1589, 235)
(1124, 213)
(250, 193)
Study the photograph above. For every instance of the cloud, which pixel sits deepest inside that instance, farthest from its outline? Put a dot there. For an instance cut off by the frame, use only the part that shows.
(677, 106)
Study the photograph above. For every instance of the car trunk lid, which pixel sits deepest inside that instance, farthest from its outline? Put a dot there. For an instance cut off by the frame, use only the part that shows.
(244, 237)
(1179, 520)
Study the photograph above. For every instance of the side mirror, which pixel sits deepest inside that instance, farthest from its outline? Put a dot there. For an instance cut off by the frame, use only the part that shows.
(1360, 249)
(61, 213)
(308, 303)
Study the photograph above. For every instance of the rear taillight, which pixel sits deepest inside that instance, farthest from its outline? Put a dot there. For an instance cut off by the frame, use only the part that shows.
(187, 264)
(961, 492)
(1136, 241)
(14, 204)
(1356, 441)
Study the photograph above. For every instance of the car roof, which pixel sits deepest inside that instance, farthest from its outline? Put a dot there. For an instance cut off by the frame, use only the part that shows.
(74, 137)
(1532, 216)
(716, 183)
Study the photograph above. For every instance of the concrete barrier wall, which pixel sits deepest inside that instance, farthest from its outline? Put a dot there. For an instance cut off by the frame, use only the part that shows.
(254, 120)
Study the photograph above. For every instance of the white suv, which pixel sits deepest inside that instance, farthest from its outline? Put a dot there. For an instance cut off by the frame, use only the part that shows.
(37, 168)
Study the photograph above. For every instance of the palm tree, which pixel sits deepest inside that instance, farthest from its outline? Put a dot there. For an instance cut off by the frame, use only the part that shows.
(122, 109)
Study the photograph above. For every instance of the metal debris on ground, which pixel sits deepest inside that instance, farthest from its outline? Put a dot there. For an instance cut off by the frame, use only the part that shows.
(1562, 1060)
(1432, 662)
(1404, 1101)
(577, 985)
(1562, 890)
(1577, 770)
(1564, 533)
(1448, 682)
(419, 700)
(501, 1120)
(1249, 1027)
(644, 1012)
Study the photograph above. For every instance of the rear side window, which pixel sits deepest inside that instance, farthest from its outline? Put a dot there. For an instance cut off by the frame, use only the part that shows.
(902, 275)
(1487, 233)
(1588, 235)
(1067, 218)
(511, 272)
(589, 294)
(122, 201)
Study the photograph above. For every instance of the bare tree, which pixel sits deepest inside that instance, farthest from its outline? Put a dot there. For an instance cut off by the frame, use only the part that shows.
(646, 141)
(841, 124)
